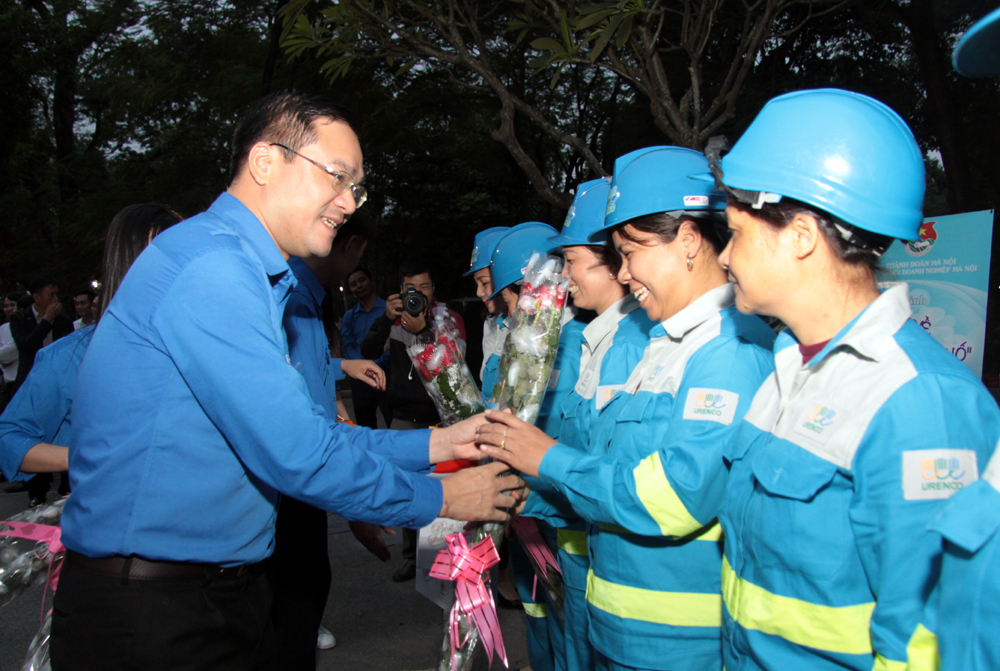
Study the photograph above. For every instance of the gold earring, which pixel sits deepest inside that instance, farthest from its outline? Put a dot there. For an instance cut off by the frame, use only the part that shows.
(690, 262)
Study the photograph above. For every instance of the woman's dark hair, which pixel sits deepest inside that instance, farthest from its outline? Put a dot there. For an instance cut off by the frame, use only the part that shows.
(608, 256)
(283, 117)
(862, 250)
(129, 233)
(665, 227)
(15, 296)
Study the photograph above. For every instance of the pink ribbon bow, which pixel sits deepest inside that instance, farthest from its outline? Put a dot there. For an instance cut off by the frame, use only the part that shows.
(527, 531)
(467, 567)
(42, 533)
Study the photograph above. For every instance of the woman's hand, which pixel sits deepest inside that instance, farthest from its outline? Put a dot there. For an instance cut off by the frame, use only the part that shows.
(364, 370)
(508, 439)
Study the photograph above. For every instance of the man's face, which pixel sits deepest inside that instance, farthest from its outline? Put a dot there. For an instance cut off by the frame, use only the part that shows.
(360, 285)
(302, 207)
(9, 307)
(46, 296)
(421, 283)
(81, 303)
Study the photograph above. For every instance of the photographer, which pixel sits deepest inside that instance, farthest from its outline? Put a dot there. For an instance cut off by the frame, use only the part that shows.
(407, 314)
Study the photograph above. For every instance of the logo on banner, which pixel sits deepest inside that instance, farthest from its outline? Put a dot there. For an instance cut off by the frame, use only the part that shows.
(716, 405)
(928, 236)
(937, 474)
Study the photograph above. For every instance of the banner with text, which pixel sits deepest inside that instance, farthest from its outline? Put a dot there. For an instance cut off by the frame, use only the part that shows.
(948, 271)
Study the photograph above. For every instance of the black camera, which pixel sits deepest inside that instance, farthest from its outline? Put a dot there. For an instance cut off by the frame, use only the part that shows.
(414, 302)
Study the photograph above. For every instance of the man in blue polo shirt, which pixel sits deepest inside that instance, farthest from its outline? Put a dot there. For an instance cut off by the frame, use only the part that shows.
(353, 330)
(190, 419)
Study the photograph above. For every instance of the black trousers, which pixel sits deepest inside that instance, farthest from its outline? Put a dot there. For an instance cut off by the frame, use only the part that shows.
(366, 400)
(299, 570)
(216, 624)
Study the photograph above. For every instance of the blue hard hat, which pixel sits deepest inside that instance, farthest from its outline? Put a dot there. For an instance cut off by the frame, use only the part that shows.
(659, 179)
(977, 54)
(514, 248)
(840, 152)
(482, 248)
(585, 216)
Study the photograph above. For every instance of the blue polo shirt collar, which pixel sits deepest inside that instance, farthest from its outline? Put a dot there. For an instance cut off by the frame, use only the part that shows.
(306, 275)
(252, 231)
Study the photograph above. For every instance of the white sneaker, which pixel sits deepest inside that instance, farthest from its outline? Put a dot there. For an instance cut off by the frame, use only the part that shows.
(325, 639)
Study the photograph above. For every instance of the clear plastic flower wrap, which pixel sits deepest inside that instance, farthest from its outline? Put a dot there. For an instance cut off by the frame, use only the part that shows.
(522, 378)
(533, 340)
(441, 365)
(24, 561)
(37, 658)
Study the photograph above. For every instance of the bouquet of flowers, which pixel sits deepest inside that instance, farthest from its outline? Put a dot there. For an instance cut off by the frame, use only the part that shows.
(530, 349)
(25, 554)
(522, 378)
(443, 370)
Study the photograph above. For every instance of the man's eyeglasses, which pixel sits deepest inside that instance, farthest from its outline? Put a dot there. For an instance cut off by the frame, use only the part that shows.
(342, 181)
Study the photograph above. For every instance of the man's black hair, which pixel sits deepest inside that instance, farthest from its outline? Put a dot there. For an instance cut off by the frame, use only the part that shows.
(91, 294)
(359, 269)
(37, 284)
(359, 225)
(412, 267)
(15, 296)
(285, 117)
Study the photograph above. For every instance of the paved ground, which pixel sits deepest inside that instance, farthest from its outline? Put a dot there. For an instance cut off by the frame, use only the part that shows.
(379, 625)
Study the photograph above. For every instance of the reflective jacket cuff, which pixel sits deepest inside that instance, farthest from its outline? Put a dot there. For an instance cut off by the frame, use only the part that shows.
(556, 463)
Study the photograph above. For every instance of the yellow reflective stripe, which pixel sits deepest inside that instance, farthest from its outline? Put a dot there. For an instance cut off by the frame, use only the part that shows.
(535, 609)
(680, 609)
(572, 542)
(886, 664)
(660, 499)
(713, 532)
(922, 651)
(845, 629)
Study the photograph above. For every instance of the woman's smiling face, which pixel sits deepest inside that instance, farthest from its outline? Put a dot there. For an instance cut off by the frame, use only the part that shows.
(651, 268)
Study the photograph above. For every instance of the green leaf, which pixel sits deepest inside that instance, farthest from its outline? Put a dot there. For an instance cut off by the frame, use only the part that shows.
(546, 44)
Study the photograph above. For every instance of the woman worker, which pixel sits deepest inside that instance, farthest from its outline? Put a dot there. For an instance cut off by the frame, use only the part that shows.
(653, 480)
(494, 332)
(35, 427)
(834, 470)
(613, 343)
(963, 609)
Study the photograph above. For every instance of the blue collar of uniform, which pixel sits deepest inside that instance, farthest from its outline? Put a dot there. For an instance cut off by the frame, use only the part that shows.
(500, 323)
(704, 308)
(601, 326)
(252, 231)
(306, 275)
(867, 333)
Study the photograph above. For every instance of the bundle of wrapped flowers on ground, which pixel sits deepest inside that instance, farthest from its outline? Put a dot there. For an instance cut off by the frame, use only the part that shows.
(438, 359)
(525, 366)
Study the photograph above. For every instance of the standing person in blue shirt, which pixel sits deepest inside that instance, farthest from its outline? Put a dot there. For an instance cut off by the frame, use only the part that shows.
(962, 617)
(653, 483)
(353, 329)
(35, 427)
(613, 344)
(300, 564)
(189, 419)
(494, 332)
(828, 561)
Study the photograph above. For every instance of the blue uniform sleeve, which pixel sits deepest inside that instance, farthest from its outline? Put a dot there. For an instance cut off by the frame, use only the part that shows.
(888, 512)
(336, 371)
(676, 490)
(566, 371)
(223, 340)
(35, 414)
(347, 334)
(548, 505)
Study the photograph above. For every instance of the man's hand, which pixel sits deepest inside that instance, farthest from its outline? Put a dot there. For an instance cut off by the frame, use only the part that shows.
(370, 535)
(507, 438)
(457, 441)
(393, 306)
(364, 370)
(413, 324)
(53, 311)
(476, 494)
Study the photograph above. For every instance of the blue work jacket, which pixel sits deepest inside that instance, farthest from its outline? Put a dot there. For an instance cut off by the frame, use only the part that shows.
(653, 482)
(189, 418)
(832, 483)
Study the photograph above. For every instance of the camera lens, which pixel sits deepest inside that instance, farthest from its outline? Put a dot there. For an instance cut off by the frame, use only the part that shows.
(414, 302)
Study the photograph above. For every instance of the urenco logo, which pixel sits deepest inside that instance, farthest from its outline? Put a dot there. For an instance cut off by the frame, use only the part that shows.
(818, 419)
(710, 404)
